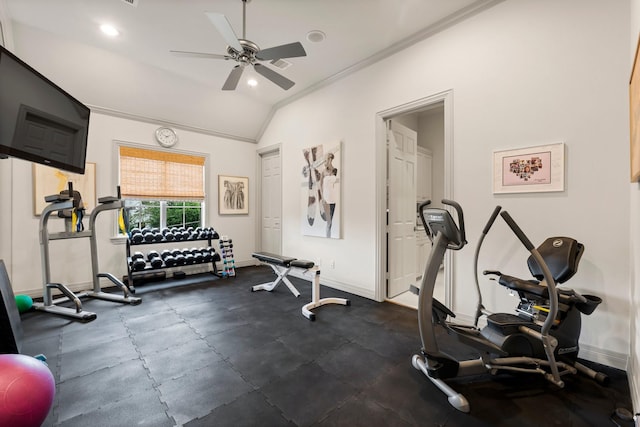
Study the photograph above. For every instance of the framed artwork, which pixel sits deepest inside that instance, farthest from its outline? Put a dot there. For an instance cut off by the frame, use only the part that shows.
(528, 170)
(634, 117)
(48, 181)
(233, 195)
(320, 198)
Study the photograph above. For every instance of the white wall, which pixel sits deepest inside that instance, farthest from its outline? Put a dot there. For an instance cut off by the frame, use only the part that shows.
(70, 262)
(634, 235)
(523, 73)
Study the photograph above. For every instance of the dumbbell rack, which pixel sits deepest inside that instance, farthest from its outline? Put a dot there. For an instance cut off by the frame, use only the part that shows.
(49, 305)
(148, 268)
(228, 261)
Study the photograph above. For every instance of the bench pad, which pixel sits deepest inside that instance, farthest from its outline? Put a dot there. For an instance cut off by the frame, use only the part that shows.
(273, 258)
(302, 263)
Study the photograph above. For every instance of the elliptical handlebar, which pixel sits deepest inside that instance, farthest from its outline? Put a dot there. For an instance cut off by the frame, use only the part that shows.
(517, 230)
(420, 209)
(492, 219)
(480, 309)
(460, 215)
(549, 342)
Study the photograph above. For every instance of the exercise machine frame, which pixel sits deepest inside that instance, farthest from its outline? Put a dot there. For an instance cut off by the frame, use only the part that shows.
(49, 304)
(436, 364)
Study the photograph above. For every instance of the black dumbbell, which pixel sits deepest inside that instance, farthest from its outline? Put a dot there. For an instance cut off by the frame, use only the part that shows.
(199, 257)
(148, 237)
(169, 237)
(176, 252)
(169, 261)
(138, 264)
(152, 254)
(156, 262)
(180, 259)
(189, 259)
(165, 253)
(137, 255)
(136, 237)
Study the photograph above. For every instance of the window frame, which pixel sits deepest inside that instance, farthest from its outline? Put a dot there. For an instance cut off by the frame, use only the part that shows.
(118, 235)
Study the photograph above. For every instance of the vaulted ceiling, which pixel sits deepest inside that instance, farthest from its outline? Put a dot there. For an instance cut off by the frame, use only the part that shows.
(136, 74)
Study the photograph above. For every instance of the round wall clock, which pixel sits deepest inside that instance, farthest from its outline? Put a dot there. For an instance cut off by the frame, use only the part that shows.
(166, 137)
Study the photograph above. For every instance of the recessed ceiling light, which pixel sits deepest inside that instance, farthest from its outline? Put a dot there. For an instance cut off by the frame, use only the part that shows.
(252, 82)
(109, 30)
(316, 36)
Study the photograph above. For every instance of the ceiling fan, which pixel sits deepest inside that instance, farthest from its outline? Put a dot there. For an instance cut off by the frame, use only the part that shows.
(246, 52)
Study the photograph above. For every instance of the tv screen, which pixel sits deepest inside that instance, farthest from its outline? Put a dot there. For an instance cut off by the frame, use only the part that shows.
(39, 121)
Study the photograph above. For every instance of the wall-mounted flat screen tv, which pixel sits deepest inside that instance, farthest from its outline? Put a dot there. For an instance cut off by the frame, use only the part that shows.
(39, 121)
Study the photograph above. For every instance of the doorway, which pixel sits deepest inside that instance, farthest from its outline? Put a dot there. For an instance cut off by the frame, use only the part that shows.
(431, 119)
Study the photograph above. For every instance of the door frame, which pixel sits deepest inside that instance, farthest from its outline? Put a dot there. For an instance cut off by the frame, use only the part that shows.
(260, 153)
(445, 97)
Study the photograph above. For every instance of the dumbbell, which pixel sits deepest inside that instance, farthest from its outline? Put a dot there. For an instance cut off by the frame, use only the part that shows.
(157, 236)
(185, 235)
(199, 257)
(136, 237)
(154, 259)
(137, 255)
(176, 252)
(169, 236)
(180, 259)
(148, 236)
(169, 261)
(165, 253)
(189, 259)
(138, 264)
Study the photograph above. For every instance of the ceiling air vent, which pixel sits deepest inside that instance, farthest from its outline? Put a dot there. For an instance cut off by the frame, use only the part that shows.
(281, 63)
(133, 3)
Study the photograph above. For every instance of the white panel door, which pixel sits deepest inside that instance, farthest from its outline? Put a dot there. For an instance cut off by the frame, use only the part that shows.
(401, 204)
(271, 203)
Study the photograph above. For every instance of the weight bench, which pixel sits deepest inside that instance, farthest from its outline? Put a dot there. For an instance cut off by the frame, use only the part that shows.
(282, 265)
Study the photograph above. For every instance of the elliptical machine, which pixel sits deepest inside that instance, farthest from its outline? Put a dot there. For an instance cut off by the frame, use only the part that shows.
(542, 338)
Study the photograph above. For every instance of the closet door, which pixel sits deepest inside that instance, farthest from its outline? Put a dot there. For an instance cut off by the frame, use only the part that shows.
(271, 203)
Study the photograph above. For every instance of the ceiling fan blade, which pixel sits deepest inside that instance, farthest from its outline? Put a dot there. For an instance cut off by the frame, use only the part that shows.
(290, 50)
(234, 77)
(276, 78)
(224, 28)
(199, 54)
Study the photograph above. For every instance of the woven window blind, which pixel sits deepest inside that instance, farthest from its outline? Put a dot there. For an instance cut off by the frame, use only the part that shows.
(151, 174)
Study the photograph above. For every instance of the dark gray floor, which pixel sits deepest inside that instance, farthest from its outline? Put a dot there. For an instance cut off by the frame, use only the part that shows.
(215, 354)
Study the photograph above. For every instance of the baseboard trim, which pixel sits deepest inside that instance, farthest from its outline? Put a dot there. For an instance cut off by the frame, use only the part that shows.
(604, 357)
(341, 286)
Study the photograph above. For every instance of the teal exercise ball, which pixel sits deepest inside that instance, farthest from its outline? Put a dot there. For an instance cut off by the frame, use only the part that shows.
(24, 303)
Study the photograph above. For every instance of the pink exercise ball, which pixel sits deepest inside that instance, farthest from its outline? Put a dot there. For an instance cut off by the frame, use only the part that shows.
(27, 389)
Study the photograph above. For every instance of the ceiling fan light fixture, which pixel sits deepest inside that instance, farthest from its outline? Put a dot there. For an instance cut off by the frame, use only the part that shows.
(252, 82)
(316, 36)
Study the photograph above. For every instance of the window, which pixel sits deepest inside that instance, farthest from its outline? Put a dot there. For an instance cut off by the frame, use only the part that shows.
(162, 189)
